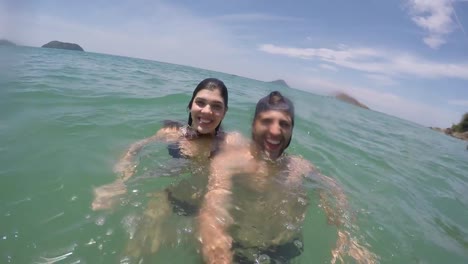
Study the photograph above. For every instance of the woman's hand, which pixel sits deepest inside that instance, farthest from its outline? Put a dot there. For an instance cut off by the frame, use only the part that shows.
(105, 196)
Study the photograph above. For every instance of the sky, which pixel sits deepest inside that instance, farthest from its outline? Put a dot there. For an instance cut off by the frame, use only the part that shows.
(406, 58)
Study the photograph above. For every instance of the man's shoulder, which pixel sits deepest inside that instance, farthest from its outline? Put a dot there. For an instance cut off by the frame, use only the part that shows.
(298, 168)
(235, 138)
(300, 164)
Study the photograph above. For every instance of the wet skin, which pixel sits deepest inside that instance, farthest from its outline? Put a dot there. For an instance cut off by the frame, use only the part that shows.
(272, 130)
(207, 111)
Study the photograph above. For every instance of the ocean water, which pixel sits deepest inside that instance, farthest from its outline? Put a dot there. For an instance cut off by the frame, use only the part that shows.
(67, 117)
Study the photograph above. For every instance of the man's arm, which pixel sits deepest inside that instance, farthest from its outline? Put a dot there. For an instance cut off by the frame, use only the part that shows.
(336, 207)
(333, 199)
(332, 196)
(214, 218)
(234, 140)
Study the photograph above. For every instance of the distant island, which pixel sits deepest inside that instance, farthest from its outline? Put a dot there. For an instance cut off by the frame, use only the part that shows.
(4, 42)
(280, 82)
(348, 99)
(459, 130)
(62, 45)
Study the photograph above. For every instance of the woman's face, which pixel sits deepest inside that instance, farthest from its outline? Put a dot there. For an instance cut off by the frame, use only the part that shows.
(207, 111)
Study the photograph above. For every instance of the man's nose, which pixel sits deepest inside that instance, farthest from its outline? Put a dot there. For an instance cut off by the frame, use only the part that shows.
(275, 129)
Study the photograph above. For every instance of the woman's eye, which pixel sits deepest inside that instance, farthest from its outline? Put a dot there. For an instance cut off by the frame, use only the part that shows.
(200, 103)
(217, 107)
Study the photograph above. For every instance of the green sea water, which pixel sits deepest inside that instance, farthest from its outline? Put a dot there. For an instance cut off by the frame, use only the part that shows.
(66, 117)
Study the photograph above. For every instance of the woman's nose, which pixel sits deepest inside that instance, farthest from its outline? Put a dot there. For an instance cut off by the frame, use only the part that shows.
(206, 109)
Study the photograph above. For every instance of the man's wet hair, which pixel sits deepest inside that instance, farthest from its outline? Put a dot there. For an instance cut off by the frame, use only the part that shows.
(275, 101)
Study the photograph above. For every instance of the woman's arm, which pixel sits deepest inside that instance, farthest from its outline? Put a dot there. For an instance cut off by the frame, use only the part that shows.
(125, 167)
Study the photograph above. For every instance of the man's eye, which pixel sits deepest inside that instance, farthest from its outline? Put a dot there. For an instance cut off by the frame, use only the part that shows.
(266, 121)
(285, 124)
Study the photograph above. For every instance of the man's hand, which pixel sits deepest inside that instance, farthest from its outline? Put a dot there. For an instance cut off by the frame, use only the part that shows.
(216, 247)
(346, 245)
(213, 221)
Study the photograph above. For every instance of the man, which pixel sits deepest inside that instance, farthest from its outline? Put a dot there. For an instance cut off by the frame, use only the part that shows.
(255, 204)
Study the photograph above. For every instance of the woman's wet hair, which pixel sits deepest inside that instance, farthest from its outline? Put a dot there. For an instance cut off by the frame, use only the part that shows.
(209, 84)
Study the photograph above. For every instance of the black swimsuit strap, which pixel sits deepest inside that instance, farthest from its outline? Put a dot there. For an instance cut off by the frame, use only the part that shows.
(181, 207)
(283, 253)
(174, 151)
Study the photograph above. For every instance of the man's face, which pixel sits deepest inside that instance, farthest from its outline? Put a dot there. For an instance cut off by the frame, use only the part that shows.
(271, 131)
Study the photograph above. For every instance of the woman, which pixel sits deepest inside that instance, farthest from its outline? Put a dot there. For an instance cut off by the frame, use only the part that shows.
(198, 140)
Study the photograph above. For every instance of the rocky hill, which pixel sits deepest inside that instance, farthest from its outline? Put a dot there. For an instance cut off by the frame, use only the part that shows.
(4, 42)
(62, 45)
(348, 99)
(280, 82)
(459, 130)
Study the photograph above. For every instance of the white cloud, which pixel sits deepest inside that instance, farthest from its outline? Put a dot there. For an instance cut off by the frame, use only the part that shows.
(322, 53)
(374, 61)
(255, 17)
(5, 21)
(435, 17)
(417, 112)
(385, 102)
(458, 102)
(381, 79)
(328, 67)
(434, 41)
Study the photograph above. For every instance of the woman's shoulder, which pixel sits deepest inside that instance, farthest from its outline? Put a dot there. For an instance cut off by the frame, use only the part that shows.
(171, 130)
(172, 124)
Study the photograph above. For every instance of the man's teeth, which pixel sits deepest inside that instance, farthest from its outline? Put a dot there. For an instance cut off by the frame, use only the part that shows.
(205, 121)
(274, 142)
